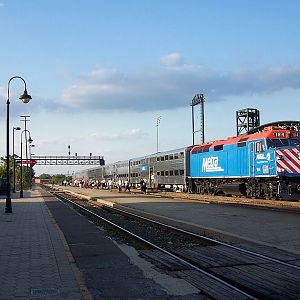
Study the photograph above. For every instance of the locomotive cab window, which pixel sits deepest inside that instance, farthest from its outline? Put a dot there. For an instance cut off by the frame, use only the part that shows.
(295, 142)
(277, 143)
(260, 147)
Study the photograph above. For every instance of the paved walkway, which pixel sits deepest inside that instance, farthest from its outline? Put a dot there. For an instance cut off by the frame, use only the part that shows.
(33, 261)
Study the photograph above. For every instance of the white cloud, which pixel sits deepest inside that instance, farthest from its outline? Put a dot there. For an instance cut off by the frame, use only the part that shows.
(172, 87)
(173, 59)
(162, 88)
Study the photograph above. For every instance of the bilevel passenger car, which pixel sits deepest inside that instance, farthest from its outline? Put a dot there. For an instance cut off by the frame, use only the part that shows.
(255, 165)
(263, 164)
(162, 170)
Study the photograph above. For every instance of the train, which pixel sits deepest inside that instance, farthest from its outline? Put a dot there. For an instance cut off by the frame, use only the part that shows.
(264, 163)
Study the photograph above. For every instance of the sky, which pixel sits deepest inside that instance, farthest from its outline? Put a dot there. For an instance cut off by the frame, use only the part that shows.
(100, 73)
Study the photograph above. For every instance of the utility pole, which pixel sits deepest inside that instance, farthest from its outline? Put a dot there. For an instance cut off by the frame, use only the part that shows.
(25, 120)
(157, 124)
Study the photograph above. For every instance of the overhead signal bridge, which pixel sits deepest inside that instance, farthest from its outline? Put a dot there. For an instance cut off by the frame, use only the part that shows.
(64, 160)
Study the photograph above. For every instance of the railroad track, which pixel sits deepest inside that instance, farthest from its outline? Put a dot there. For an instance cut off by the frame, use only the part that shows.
(218, 269)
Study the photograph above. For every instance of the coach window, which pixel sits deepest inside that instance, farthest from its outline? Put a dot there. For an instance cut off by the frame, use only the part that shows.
(166, 157)
(158, 173)
(166, 173)
(162, 173)
(171, 157)
(181, 172)
(171, 173)
(181, 154)
(157, 158)
(176, 172)
(162, 158)
(176, 156)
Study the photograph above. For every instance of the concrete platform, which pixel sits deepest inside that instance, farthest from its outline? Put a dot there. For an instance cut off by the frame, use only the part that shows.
(264, 225)
(33, 259)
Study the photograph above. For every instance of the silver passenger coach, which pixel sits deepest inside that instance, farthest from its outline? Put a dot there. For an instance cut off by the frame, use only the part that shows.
(162, 170)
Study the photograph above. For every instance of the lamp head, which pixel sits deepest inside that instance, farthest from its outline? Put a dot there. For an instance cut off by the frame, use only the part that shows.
(25, 97)
(17, 128)
(30, 140)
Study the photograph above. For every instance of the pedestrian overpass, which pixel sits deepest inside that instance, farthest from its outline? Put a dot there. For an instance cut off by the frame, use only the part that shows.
(63, 161)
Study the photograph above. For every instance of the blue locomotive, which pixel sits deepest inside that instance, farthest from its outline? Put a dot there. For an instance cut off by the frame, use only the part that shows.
(255, 165)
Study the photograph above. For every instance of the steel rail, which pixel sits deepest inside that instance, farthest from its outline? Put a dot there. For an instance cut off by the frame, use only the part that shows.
(58, 195)
(195, 235)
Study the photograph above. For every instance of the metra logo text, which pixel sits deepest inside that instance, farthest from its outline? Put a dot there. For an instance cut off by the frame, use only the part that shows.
(211, 164)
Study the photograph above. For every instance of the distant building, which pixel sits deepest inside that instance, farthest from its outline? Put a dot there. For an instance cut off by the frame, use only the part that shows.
(41, 181)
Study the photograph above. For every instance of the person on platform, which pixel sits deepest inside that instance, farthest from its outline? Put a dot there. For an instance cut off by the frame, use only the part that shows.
(120, 185)
(110, 184)
(127, 185)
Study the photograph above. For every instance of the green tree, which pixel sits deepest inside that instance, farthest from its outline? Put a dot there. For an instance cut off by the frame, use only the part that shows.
(27, 173)
(45, 176)
(58, 178)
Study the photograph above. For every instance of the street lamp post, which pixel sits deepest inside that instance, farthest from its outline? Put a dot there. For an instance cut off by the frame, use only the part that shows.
(21, 171)
(14, 179)
(25, 98)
